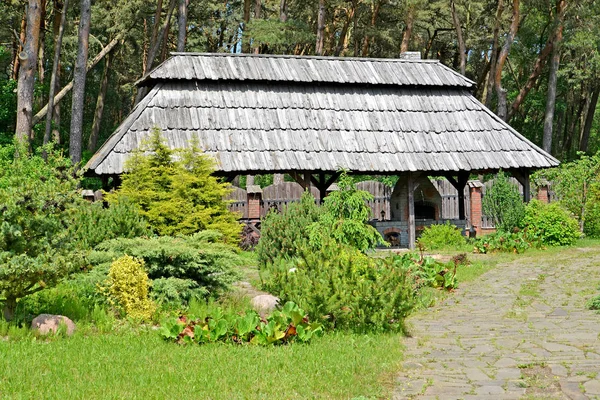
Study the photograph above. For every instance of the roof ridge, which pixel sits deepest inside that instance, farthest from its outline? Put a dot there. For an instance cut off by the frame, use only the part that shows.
(325, 58)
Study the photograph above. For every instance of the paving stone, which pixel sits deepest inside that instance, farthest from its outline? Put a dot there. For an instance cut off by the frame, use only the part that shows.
(495, 390)
(412, 365)
(476, 375)
(572, 390)
(508, 373)
(558, 312)
(558, 370)
(592, 388)
(448, 389)
(505, 362)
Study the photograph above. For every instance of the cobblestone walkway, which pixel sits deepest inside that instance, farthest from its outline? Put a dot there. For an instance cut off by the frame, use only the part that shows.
(520, 331)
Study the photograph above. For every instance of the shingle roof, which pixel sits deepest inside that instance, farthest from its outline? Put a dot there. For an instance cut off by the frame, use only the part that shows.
(265, 125)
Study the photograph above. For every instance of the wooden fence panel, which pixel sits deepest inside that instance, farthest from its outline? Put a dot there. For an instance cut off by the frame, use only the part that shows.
(238, 201)
(277, 196)
(381, 198)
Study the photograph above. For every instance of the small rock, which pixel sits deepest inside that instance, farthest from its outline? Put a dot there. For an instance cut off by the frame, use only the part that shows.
(46, 323)
(264, 304)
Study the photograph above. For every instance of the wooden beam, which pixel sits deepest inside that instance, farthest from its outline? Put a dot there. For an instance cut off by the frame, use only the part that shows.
(302, 179)
(323, 184)
(412, 229)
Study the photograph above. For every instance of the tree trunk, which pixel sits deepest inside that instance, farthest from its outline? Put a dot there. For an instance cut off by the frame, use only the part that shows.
(93, 141)
(246, 42)
(514, 26)
(589, 119)
(344, 33)
(537, 70)
(154, 48)
(156, 25)
(553, 76)
(283, 10)
(320, 29)
(459, 37)
(77, 105)
(60, 95)
(55, 65)
(182, 25)
(40, 69)
(10, 305)
(17, 60)
(496, 33)
(27, 67)
(257, 10)
(367, 39)
(410, 20)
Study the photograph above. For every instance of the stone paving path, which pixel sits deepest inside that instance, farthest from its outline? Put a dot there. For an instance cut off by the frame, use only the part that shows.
(520, 331)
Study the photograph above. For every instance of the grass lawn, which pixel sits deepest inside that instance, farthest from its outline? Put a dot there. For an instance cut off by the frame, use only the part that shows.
(141, 365)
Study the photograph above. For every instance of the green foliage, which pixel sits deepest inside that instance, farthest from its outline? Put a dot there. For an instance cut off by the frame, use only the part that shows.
(440, 236)
(176, 191)
(503, 203)
(428, 272)
(176, 291)
(127, 288)
(342, 287)
(94, 224)
(508, 242)
(551, 224)
(189, 265)
(37, 201)
(576, 185)
(344, 217)
(288, 325)
(594, 303)
(282, 234)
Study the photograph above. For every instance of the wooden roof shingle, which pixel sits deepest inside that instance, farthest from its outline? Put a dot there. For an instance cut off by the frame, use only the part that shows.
(283, 113)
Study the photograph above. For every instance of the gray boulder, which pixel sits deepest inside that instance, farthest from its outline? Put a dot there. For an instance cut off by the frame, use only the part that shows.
(264, 304)
(46, 323)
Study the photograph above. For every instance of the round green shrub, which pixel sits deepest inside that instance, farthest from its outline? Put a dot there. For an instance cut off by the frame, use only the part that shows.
(441, 236)
(551, 224)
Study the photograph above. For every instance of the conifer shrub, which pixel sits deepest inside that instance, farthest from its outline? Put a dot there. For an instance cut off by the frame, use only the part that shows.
(344, 217)
(343, 288)
(185, 267)
(127, 288)
(93, 223)
(551, 224)
(440, 236)
(37, 200)
(175, 190)
(282, 234)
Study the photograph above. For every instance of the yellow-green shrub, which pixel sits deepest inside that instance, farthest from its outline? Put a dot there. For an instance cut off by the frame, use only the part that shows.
(127, 288)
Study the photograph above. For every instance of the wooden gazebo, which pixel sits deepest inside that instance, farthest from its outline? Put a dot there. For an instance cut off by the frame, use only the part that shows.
(312, 116)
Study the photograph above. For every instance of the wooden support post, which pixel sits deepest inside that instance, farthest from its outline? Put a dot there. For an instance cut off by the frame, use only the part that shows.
(323, 184)
(307, 176)
(412, 229)
(523, 177)
(459, 184)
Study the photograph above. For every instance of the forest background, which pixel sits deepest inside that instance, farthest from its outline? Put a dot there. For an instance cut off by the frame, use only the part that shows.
(535, 62)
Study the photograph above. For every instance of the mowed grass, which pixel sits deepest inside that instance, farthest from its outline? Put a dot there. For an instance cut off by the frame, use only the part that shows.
(140, 365)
